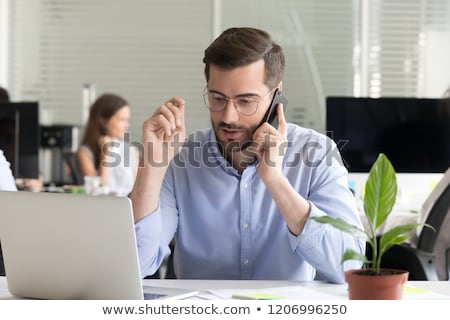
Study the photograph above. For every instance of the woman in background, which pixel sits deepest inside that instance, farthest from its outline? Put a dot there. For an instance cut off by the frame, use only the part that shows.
(103, 151)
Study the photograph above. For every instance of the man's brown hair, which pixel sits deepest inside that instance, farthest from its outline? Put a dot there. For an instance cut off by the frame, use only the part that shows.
(237, 47)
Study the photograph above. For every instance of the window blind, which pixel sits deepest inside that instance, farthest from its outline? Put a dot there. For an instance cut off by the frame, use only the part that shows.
(407, 48)
(146, 51)
(317, 38)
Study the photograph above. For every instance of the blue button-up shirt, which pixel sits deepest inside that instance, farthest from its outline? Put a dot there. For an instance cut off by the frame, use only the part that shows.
(227, 226)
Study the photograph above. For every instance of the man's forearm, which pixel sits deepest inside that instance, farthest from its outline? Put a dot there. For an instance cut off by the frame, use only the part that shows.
(146, 191)
(293, 207)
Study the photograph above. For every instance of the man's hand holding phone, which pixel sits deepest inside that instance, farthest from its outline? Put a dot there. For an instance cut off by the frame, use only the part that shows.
(271, 114)
(270, 139)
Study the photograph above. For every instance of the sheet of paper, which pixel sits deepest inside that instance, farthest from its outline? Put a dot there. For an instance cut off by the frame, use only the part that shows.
(5, 294)
(410, 292)
(290, 292)
(332, 291)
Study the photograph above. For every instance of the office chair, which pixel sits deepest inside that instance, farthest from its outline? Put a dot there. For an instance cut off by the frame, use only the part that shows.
(71, 161)
(427, 256)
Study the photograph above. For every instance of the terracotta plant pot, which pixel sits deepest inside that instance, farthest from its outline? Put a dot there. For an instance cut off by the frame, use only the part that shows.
(364, 285)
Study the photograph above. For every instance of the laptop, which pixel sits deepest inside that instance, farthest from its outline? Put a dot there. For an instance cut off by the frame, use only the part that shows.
(70, 246)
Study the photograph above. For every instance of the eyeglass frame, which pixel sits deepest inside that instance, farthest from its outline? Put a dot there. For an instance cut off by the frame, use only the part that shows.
(227, 100)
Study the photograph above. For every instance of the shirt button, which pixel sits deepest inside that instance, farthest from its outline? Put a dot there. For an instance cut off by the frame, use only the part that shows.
(245, 225)
(245, 261)
(245, 185)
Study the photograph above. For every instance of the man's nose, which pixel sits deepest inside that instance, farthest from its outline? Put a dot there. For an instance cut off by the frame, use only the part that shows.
(230, 113)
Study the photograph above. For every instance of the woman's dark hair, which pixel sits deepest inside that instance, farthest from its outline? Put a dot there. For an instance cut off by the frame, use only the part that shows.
(99, 114)
(237, 47)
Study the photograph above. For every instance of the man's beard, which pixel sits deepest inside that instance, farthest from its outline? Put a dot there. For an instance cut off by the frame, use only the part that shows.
(231, 147)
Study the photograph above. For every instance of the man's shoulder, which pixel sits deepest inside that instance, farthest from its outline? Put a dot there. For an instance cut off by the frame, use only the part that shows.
(297, 134)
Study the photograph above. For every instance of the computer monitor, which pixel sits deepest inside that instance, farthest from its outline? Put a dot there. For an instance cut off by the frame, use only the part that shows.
(414, 133)
(20, 137)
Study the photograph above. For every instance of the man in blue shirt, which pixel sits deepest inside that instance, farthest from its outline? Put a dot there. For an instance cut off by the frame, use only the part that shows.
(237, 197)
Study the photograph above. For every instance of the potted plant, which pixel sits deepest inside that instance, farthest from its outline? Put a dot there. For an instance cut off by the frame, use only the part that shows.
(372, 281)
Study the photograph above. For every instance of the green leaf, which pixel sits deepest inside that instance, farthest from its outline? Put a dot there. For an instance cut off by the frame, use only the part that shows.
(342, 225)
(380, 192)
(397, 235)
(350, 254)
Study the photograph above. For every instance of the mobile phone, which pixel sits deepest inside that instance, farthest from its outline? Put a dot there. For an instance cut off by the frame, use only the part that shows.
(271, 114)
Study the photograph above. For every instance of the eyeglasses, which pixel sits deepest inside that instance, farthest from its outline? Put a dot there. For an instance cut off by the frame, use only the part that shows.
(246, 105)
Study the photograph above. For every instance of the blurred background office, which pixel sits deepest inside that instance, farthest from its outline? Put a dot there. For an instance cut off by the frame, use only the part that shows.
(61, 53)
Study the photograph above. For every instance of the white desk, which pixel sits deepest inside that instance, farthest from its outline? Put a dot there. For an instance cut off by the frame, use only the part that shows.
(312, 290)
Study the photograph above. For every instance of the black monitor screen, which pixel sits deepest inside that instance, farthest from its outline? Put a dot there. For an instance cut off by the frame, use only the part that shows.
(414, 133)
(20, 137)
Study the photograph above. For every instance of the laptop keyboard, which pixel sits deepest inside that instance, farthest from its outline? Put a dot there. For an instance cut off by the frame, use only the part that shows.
(153, 296)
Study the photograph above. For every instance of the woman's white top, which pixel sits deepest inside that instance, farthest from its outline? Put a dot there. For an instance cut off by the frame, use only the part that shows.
(121, 165)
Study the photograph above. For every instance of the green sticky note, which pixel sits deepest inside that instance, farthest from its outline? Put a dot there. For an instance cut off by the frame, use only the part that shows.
(257, 296)
(413, 290)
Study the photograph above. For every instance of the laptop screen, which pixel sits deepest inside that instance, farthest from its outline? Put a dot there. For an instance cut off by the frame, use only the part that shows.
(66, 246)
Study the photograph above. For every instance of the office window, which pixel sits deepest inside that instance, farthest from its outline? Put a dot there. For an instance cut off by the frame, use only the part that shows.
(405, 52)
(149, 51)
(318, 38)
(355, 48)
(146, 51)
